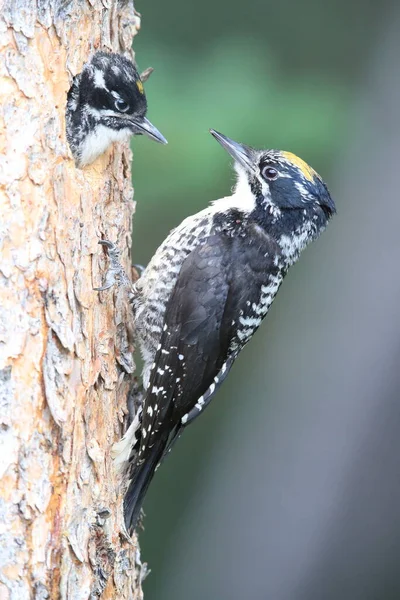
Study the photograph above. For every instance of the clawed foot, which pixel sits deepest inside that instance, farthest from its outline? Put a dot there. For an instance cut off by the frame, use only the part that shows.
(115, 273)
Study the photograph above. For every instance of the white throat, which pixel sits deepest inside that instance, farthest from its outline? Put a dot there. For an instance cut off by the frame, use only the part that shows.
(242, 197)
(97, 141)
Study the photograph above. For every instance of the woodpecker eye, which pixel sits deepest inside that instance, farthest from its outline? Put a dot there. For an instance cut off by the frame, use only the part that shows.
(121, 105)
(269, 173)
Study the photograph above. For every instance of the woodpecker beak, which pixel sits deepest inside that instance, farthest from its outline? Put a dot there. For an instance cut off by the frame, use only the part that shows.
(143, 126)
(241, 153)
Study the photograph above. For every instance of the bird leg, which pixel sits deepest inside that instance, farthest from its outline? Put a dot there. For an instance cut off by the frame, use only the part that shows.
(115, 272)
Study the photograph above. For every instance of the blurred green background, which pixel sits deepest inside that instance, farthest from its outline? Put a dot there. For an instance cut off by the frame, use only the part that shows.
(287, 487)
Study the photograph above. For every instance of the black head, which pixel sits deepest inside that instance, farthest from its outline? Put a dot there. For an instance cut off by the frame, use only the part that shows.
(282, 193)
(112, 93)
(279, 178)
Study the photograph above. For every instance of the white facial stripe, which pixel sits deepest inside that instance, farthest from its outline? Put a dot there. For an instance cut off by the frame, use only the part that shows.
(267, 200)
(98, 79)
(105, 112)
(305, 194)
(94, 112)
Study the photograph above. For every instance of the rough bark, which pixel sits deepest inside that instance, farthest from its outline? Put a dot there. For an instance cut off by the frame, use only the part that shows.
(65, 350)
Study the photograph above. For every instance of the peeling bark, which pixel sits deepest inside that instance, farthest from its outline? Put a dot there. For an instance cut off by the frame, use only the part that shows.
(65, 350)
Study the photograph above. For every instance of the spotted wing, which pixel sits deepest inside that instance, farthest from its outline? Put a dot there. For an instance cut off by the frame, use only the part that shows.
(216, 283)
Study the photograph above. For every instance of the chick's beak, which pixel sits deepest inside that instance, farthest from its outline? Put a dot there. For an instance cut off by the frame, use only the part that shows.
(143, 126)
(241, 153)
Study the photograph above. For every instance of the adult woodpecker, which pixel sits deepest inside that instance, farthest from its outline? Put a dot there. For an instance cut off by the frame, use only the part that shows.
(206, 291)
(106, 103)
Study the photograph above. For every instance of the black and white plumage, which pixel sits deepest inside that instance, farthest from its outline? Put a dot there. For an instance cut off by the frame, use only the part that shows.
(206, 291)
(106, 103)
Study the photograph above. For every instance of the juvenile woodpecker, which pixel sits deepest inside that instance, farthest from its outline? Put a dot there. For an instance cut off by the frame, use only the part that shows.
(106, 103)
(206, 291)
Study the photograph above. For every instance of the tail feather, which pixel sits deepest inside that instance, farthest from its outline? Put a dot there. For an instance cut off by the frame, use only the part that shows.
(139, 484)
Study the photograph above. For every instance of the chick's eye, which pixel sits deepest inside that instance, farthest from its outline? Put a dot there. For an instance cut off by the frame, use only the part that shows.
(121, 105)
(269, 173)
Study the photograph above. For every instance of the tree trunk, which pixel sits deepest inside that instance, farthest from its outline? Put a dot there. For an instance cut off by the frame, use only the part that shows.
(65, 350)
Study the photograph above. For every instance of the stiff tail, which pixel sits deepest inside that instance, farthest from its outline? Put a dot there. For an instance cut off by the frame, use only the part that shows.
(139, 484)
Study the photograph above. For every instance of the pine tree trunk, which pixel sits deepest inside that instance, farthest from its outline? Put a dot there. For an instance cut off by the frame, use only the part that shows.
(65, 350)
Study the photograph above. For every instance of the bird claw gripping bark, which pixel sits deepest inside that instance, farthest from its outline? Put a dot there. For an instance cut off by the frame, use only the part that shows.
(115, 272)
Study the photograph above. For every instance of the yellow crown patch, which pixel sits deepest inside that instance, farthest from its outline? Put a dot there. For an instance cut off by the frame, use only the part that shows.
(139, 86)
(307, 171)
